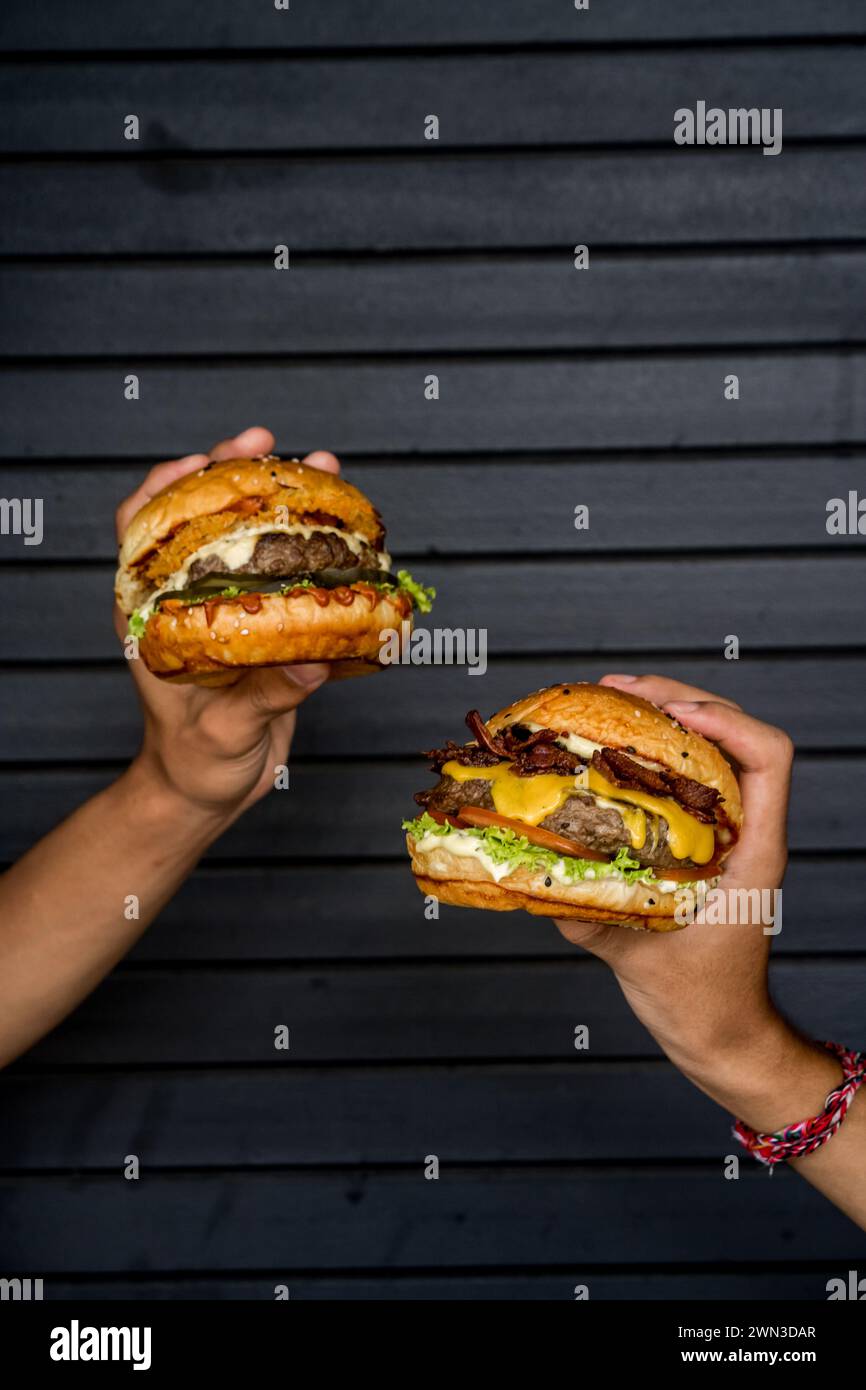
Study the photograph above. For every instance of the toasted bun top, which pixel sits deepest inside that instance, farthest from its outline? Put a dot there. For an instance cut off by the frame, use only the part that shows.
(219, 486)
(614, 719)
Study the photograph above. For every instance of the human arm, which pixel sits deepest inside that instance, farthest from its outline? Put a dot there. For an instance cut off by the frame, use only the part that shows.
(703, 992)
(81, 897)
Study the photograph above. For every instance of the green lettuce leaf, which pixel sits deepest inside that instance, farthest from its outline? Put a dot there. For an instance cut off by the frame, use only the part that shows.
(422, 596)
(505, 846)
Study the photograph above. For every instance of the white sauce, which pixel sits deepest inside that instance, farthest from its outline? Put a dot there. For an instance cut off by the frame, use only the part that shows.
(464, 844)
(573, 742)
(467, 847)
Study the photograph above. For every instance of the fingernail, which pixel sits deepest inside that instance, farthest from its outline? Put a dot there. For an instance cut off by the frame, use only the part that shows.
(623, 676)
(682, 706)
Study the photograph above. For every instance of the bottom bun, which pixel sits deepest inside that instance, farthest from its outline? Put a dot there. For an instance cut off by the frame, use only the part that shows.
(464, 882)
(183, 643)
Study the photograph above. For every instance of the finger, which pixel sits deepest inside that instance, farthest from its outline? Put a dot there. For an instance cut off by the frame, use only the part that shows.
(609, 943)
(660, 689)
(263, 695)
(250, 443)
(320, 458)
(764, 755)
(159, 477)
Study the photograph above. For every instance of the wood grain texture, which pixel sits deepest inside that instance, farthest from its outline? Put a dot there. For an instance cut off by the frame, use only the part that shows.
(574, 97)
(446, 507)
(401, 1013)
(366, 1219)
(227, 24)
(494, 1114)
(504, 304)
(658, 400)
(135, 206)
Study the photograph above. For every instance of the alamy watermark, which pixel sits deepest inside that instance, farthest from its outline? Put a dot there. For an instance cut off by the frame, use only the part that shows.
(737, 126)
(21, 1290)
(737, 906)
(22, 516)
(438, 646)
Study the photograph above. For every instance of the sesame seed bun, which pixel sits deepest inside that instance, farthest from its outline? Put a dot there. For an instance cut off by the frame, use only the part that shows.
(461, 882)
(214, 642)
(612, 719)
(615, 719)
(187, 644)
(221, 486)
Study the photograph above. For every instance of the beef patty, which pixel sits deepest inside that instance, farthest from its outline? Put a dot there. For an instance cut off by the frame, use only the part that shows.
(580, 818)
(278, 554)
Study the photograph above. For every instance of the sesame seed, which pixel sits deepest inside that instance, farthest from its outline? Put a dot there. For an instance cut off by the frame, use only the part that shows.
(245, 632)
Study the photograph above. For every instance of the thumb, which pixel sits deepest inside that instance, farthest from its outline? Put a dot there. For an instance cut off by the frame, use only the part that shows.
(271, 691)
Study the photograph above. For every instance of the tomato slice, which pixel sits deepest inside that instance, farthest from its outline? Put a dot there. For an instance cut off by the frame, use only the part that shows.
(545, 839)
(688, 875)
(442, 818)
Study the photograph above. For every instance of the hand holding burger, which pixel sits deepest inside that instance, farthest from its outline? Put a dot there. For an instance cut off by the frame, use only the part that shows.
(579, 802)
(703, 993)
(213, 752)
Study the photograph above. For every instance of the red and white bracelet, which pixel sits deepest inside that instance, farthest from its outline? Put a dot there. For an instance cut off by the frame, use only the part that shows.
(807, 1135)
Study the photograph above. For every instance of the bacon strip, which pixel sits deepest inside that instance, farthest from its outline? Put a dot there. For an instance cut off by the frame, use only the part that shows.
(483, 736)
(530, 754)
(623, 771)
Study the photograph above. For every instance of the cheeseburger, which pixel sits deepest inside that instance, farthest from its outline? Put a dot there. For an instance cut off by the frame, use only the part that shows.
(260, 562)
(578, 802)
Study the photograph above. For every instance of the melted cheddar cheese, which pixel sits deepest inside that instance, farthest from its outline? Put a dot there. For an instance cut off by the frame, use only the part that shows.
(530, 799)
(533, 799)
(688, 838)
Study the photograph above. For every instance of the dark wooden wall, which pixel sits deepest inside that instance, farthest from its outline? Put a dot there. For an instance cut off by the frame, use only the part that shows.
(557, 387)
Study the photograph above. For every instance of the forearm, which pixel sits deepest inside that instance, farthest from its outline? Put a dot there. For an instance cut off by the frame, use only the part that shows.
(76, 903)
(774, 1078)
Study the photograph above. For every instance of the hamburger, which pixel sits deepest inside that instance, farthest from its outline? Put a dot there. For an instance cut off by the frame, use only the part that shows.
(581, 802)
(260, 562)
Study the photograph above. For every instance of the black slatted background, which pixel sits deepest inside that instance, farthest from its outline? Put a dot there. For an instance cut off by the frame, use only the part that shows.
(557, 387)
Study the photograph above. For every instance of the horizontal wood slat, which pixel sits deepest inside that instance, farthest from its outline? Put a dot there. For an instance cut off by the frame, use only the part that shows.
(570, 97)
(398, 1220)
(658, 400)
(438, 201)
(437, 509)
(474, 1114)
(162, 24)
(402, 1013)
(502, 304)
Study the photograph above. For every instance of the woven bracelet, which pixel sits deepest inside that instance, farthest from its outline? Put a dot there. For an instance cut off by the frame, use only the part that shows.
(808, 1135)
